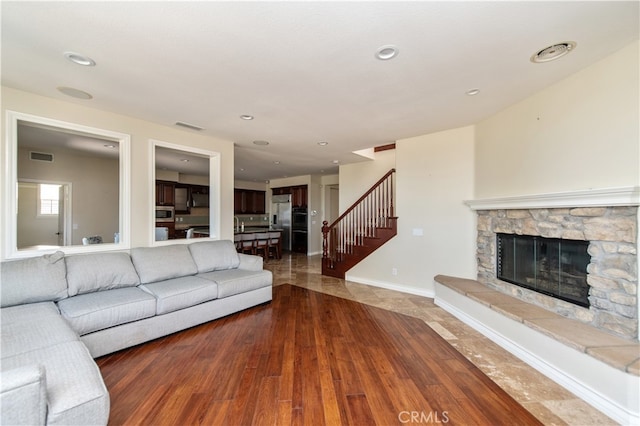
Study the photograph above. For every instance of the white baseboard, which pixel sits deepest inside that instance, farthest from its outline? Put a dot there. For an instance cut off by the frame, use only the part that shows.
(391, 286)
(608, 389)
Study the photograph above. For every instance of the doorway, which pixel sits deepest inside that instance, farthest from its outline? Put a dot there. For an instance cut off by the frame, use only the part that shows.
(44, 214)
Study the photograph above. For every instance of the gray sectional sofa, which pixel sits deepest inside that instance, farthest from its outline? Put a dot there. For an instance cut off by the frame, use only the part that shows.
(59, 312)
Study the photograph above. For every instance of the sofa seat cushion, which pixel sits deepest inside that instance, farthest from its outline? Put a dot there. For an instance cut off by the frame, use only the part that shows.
(87, 273)
(103, 309)
(163, 262)
(75, 390)
(236, 281)
(214, 255)
(23, 396)
(180, 293)
(33, 326)
(37, 279)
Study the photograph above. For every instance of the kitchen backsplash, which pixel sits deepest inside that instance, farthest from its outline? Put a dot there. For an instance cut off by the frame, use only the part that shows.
(199, 216)
(253, 219)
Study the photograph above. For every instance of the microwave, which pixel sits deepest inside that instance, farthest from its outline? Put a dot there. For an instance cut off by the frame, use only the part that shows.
(165, 214)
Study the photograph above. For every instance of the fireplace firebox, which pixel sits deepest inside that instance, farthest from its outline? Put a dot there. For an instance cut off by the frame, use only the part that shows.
(551, 266)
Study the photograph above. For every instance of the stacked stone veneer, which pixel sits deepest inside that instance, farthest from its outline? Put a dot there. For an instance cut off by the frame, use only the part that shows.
(612, 273)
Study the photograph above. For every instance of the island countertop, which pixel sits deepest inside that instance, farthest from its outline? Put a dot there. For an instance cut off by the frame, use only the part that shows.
(255, 230)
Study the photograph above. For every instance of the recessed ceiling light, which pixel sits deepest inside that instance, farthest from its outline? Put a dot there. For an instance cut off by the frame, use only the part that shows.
(246, 117)
(384, 53)
(261, 143)
(276, 162)
(79, 59)
(473, 92)
(74, 93)
(110, 146)
(184, 160)
(553, 52)
(335, 161)
(323, 143)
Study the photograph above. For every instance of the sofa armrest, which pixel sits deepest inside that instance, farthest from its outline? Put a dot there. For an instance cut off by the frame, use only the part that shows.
(23, 396)
(250, 262)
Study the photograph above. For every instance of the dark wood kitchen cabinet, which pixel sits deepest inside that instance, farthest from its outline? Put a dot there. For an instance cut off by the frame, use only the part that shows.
(299, 196)
(248, 201)
(298, 193)
(165, 193)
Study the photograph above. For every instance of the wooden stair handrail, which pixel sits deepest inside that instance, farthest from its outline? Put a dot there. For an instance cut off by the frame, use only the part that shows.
(365, 195)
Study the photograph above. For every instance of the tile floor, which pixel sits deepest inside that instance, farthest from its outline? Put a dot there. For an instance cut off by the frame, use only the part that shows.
(548, 401)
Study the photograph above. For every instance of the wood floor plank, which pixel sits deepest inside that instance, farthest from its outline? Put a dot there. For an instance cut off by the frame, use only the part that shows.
(306, 358)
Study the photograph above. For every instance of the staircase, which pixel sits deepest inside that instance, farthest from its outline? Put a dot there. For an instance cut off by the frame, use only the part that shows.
(360, 230)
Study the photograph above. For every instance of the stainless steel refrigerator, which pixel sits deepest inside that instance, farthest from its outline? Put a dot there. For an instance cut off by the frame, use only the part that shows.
(281, 218)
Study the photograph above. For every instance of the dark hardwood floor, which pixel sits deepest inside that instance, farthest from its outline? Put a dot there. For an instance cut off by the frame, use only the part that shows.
(305, 358)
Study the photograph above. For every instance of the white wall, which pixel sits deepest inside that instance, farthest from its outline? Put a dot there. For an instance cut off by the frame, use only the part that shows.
(256, 186)
(141, 132)
(434, 174)
(581, 133)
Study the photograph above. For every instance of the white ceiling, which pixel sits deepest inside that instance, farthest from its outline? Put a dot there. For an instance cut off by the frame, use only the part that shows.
(305, 70)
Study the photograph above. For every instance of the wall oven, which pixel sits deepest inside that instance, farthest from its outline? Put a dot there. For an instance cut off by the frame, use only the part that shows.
(165, 214)
(299, 218)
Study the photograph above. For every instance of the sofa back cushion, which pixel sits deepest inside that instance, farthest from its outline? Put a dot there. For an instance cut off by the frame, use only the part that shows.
(163, 262)
(87, 273)
(214, 255)
(37, 279)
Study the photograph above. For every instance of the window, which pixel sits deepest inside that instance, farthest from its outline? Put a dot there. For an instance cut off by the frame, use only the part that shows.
(48, 199)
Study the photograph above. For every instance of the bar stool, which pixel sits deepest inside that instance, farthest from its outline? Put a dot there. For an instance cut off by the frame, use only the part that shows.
(262, 245)
(274, 244)
(248, 243)
(237, 240)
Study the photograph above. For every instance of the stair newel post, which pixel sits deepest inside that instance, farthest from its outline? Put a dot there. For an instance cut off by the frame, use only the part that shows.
(325, 231)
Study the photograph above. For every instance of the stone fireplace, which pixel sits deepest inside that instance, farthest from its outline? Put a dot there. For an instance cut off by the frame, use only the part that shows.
(612, 274)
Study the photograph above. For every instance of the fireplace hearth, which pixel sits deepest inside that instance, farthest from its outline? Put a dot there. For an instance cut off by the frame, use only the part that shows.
(550, 266)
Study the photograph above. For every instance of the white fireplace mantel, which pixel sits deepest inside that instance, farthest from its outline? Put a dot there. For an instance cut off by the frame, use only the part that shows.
(623, 196)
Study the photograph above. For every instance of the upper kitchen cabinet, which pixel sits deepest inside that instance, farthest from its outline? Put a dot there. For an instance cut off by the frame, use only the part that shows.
(248, 201)
(298, 193)
(299, 196)
(165, 193)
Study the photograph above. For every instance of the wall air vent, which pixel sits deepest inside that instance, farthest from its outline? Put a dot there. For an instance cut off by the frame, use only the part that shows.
(41, 156)
(189, 126)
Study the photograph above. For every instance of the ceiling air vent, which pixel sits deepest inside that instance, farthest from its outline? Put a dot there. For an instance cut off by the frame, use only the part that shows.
(41, 156)
(189, 126)
(553, 52)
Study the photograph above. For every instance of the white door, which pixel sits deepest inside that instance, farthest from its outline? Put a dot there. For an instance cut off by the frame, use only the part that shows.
(61, 217)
